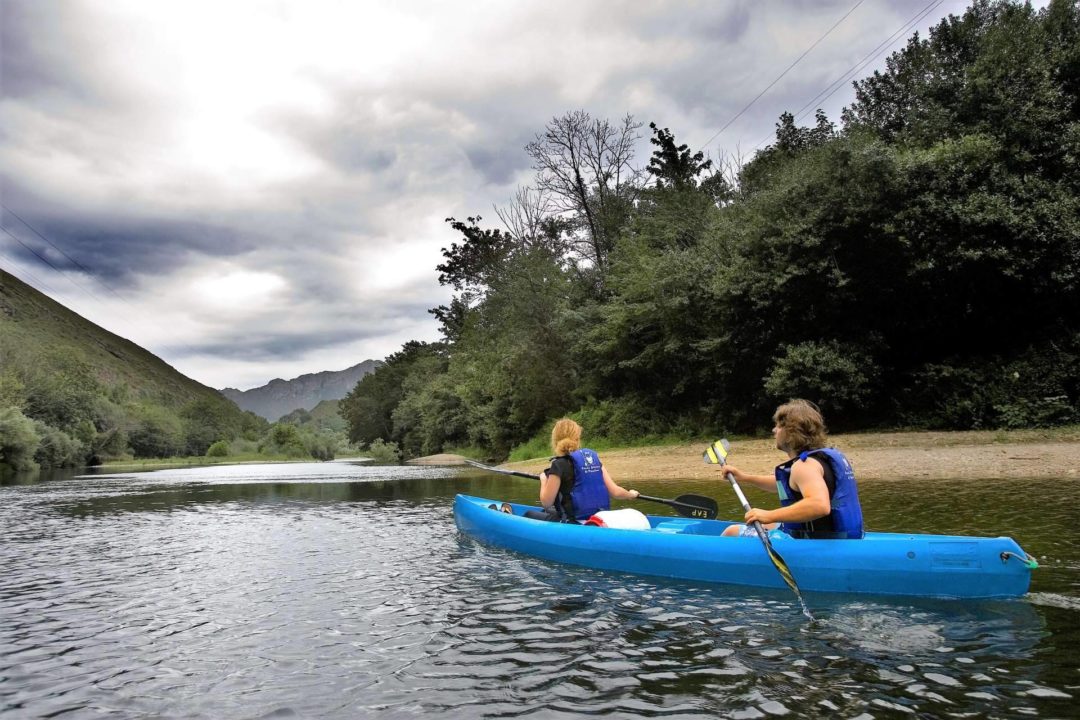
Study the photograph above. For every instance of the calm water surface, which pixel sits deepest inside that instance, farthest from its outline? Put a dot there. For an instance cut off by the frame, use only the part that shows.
(337, 590)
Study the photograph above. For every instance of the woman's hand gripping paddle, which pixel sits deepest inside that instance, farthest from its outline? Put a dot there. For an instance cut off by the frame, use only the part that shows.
(716, 454)
(691, 506)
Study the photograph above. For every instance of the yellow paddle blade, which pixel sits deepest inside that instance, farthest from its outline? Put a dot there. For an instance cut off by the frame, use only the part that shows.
(782, 568)
(777, 561)
(716, 454)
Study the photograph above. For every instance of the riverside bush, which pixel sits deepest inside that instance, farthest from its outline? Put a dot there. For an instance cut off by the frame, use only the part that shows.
(385, 453)
(18, 441)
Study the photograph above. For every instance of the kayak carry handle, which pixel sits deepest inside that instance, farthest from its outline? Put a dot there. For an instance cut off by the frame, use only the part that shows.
(1028, 560)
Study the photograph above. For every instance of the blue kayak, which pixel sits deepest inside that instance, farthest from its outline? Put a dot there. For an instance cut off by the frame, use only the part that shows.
(691, 549)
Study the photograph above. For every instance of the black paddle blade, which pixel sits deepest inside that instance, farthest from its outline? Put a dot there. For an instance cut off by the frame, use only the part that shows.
(705, 508)
(691, 506)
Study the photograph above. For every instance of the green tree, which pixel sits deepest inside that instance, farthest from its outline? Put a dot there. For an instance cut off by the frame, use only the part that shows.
(18, 441)
(61, 398)
(385, 453)
(838, 378)
(369, 407)
(12, 390)
(514, 366)
(157, 433)
(57, 448)
(284, 439)
(207, 420)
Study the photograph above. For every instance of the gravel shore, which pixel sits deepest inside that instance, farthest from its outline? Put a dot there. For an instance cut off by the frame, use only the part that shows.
(875, 456)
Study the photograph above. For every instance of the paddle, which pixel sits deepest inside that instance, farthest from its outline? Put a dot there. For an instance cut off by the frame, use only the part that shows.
(716, 454)
(691, 506)
(501, 471)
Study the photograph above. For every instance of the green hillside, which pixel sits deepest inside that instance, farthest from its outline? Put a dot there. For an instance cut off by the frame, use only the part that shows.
(36, 328)
(89, 395)
(324, 416)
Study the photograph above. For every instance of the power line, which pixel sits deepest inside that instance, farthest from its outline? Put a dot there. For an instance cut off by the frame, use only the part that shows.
(24, 273)
(48, 262)
(891, 40)
(781, 75)
(873, 54)
(82, 267)
(59, 250)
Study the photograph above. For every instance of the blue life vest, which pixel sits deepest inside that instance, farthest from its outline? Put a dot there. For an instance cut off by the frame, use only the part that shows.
(588, 495)
(844, 521)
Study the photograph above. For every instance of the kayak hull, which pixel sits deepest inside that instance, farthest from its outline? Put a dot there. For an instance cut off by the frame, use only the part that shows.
(921, 565)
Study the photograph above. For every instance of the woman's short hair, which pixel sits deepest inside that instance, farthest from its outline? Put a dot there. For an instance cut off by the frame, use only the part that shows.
(565, 437)
(803, 426)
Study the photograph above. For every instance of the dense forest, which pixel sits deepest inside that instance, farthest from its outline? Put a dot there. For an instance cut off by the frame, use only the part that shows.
(914, 266)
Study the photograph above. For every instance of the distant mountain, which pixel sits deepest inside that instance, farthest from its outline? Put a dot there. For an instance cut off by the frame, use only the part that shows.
(280, 397)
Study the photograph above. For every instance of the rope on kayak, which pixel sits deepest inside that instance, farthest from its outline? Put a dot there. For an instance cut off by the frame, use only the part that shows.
(1028, 560)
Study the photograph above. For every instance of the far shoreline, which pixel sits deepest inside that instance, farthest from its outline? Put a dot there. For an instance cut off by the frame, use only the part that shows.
(980, 454)
(889, 455)
(203, 461)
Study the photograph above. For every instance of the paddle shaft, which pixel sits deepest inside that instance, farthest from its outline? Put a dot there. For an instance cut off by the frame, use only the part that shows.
(774, 557)
(706, 508)
(501, 471)
(738, 491)
(746, 506)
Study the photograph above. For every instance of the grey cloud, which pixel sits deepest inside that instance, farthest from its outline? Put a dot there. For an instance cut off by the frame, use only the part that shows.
(711, 22)
(29, 62)
(47, 50)
(114, 248)
(352, 144)
(333, 326)
(497, 165)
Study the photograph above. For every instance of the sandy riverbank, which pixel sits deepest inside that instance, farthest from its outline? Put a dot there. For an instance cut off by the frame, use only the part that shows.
(875, 456)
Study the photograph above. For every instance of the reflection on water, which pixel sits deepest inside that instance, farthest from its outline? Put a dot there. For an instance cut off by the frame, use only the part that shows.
(340, 590)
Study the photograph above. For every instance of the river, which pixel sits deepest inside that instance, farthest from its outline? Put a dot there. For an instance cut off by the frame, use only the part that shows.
(340, 590)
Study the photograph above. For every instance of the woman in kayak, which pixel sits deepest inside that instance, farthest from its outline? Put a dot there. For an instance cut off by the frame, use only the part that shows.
(818, 494)
(577, 485)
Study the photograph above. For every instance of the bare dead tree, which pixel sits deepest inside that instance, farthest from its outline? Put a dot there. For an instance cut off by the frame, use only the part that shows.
(585, 166)
(729, 167)
(525, 214)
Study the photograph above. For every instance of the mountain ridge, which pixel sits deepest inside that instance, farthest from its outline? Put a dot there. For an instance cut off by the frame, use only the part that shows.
(279, 397)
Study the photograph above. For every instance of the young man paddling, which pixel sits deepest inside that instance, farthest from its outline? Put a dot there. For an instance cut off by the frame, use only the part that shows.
(818, 494)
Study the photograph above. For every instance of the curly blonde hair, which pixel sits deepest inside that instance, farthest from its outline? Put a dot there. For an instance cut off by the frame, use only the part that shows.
(565, 437)
(802, 423)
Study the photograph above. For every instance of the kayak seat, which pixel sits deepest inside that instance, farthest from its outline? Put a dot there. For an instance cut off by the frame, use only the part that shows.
(678, 526)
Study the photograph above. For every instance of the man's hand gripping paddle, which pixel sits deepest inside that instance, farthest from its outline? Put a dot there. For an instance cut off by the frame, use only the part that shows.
(716, 454)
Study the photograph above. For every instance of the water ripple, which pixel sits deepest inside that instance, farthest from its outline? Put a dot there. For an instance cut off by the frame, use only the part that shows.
(339, 592)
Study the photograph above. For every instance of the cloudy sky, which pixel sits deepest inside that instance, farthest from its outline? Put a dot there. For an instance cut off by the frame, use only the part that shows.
(255, 190)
